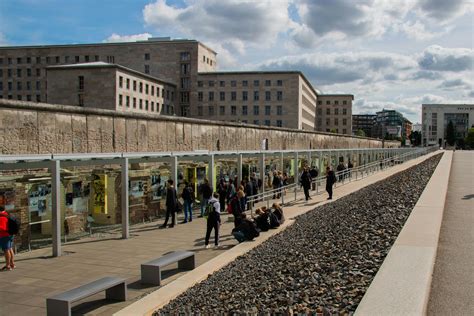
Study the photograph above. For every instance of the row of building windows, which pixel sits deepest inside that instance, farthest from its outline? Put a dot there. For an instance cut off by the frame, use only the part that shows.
(344, 130)
(233, 83)
(244, 110)
(19, 72)
(53, 59)
(328, 121)
(146, 88)
(278, 123)
(28, 97)
(139, 103)
(244, 95)
(328, 111)
(206, 60)
(27, 85)
(328, 102)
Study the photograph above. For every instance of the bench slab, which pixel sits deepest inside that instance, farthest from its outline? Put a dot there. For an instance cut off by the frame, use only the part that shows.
(151, 271)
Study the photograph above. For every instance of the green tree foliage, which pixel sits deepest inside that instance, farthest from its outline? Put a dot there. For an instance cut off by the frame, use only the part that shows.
(450, 134)
(360, 133)
(469, 141)
(333, 130)
(415, 138)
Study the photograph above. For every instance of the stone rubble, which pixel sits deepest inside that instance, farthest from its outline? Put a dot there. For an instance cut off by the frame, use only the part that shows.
(320, 265)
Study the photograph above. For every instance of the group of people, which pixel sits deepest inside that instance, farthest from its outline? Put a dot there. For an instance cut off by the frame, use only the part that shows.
(308, 176)
(341, 167)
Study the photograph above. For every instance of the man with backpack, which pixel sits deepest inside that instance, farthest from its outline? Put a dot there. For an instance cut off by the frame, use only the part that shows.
(213, 213)
(8, 228)
(206, 192)
(188, 198)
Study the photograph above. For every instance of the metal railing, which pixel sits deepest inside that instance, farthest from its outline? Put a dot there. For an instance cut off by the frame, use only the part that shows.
(285, 193)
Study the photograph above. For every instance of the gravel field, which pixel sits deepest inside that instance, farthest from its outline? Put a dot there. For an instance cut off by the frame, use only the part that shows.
(324, 262)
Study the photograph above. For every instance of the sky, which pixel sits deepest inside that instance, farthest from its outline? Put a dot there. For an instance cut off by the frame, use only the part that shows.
(392, 54)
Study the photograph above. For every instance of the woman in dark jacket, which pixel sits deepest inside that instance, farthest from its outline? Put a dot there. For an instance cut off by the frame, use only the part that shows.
(171, 203)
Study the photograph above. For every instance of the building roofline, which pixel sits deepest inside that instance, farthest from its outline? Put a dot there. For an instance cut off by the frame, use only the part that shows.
(108, 65)
(263, 72)
(337, 95)
(147, 42)
(444, 104)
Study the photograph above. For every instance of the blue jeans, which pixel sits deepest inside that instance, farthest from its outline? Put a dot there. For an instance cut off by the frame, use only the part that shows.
(203, 205)
(188, 208)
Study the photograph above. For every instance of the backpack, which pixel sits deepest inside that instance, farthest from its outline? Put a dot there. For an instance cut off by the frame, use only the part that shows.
(13, 225)
(209, 209)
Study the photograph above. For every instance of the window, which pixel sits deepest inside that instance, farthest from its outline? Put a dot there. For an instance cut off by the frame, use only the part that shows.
(96, 57)
(267, 122)
(210, 83)
(256, 110)
(134, 103)
(320, 102)
(120, 100)
(344, 121)
(147, 56)
(336, 111)
(203, 59)
(256, 83)
(245, 83)
(233, 110)
(279, 123)
(28, 85)
(146, 105)
(9, 61)
(185, 68)
(344, 131)
(140, 104)
(200, 84)
(344, 111)
(11, 97)
(140, 87)
(147, 69)
(267, 110)
(336, 102)
(279, 110)
(320, 111)
(320, 122)
(211, 110)
(9, 71)
(244, 121)
(221, 83)
(163, 92)
(76, 58)
(233, 96)
(128, 83)
(38, 72)
(184, 96)
(233, 83)
(38, 98)
(38, 60)
(28, 72)
(18, 60)
(245, 95)
(200, 111)
(81, 83)
(28, 97)
(1, 61)
(146, 88)
(152, 90)
(86, 58)
(28, 60)
(328, 111)
(127, 101)
(222, 96)
(336, 121)
(279, 83)
(221, 110)
(255, 95)
(344, 102)
(183, 55)
(134, 85)
(211, 96)
(10, 86)
(200, 96)
(120, 81)
(279, 95)
(256, 122)
(268, 83)
(38, 85)
(152, 106)
(1, 86)
(18, 73)
(328, 121)
(56, 59)
(110, 59)
(328, 102)
(244, 110)
(18, 85)
(80, 99)
(268, 96)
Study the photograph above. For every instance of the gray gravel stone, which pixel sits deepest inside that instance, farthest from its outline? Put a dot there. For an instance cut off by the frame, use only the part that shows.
(322, 264)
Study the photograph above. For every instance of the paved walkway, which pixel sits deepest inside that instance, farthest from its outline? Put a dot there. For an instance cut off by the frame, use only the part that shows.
(24, 290)
(453, 279)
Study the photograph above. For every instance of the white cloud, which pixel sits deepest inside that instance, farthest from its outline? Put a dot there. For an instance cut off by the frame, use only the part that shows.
(127, 38)
(443, 10)
(439, 58)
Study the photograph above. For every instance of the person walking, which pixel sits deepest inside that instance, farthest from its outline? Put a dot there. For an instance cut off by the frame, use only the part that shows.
(222, 190)
(206, 192)
(340, 170)
(213, 220)
(306, 182)
(330, 180)
(248, 192)
(314, 174)
(6, 240)
(171, 204)
(188, 198)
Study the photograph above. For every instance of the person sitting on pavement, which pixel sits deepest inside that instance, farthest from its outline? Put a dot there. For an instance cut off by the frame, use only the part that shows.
(278, 211)
(247, 230)
(262, 220)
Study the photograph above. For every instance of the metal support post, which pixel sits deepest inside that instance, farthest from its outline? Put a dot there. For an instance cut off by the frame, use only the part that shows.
(125, 200)
(210, 172)
(239, 169)
(174, 177)
(310, 163)
(55, 170)
(297, 175)
(262, 170)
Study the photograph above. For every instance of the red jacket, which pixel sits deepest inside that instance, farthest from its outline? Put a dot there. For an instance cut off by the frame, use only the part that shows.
(4, 224)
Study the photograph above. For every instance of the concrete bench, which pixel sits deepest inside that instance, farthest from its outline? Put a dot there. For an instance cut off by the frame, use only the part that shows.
(115, 289)
(151, 271)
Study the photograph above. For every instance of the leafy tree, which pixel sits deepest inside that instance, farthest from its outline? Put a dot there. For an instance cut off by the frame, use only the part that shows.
(469, 140)
(415, 138)
(333, 130)
(360, 132)
(450, 134)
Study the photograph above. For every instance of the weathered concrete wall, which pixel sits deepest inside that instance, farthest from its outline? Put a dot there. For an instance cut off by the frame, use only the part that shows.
(36, 128)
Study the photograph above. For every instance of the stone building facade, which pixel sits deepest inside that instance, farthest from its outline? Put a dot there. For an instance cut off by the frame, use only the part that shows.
(334, 113)
(109, 86)
(23, 68)
(274, 98)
